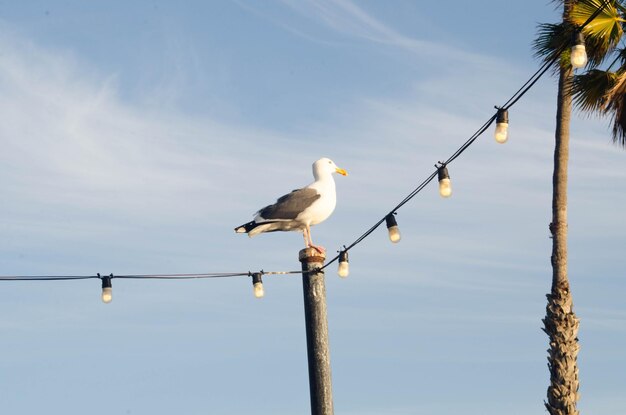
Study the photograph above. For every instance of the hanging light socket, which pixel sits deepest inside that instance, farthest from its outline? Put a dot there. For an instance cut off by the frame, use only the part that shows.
(107, 289)
(445, 187)
(257, 285)
(578, 56)
(344, 265)
(502, 126)
(392, 228)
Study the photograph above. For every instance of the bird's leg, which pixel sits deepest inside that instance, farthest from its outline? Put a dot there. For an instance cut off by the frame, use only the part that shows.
(306, 237)
(307, 233)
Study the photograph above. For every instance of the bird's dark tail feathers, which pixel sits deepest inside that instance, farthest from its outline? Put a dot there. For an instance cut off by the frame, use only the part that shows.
(246, 227)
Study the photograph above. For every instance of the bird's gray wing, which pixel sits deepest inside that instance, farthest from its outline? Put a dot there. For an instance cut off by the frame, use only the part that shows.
(290, 205)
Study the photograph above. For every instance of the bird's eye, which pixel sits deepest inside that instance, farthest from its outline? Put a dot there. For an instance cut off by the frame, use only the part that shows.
(329, 162)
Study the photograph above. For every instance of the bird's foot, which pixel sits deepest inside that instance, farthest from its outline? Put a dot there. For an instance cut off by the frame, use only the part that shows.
(318, 248)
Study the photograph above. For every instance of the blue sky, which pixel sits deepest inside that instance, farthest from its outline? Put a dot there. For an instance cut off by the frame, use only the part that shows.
(135, 137)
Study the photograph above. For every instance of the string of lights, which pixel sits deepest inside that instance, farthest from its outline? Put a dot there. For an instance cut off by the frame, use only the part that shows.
(142, 276)
(138, 276)
(501, 118)
(578, 59)
(107, 286)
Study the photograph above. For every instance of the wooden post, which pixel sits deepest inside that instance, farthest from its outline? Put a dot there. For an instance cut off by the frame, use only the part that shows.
(318, 352)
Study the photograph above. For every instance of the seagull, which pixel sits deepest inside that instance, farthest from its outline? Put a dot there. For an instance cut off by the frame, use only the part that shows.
(300, 209)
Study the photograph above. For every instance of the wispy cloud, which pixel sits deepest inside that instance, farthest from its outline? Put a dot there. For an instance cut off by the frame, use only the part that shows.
(347, 18)
(69, 140)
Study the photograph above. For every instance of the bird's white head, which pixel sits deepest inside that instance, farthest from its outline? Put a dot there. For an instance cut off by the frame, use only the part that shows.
(326, 167)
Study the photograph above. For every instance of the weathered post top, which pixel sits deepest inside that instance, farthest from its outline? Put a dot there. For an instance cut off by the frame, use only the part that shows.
(311, 255)
(316, 323)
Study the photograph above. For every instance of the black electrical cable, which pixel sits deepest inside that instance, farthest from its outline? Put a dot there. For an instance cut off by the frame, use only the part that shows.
(181, 276)
(471, 140)
(596, 13)
(141, 276)
(544, 68)
(47, 277)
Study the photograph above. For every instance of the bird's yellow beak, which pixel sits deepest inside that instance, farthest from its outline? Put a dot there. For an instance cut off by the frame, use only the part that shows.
(341, 171)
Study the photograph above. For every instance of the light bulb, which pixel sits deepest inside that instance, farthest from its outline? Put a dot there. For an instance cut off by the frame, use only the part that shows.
(257, 285)
(502, 132)
(344, 269)
(445, 188)
(344, 265)
(578, 54)
(107, 295)
(392, 228)
(107, 289)
(502, 126)
(259, 292)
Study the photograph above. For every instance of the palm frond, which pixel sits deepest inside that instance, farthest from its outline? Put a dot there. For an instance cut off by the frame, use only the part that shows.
(591, 88)
(620, 7)
(621, 56)
(619, 126)
(615, 106)
(604, 32)
(552, 41)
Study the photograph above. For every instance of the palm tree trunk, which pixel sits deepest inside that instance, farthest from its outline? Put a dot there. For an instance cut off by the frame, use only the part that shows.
(560, 323)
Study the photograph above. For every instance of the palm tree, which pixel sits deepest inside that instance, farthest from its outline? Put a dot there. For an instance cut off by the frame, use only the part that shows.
(595, 90)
